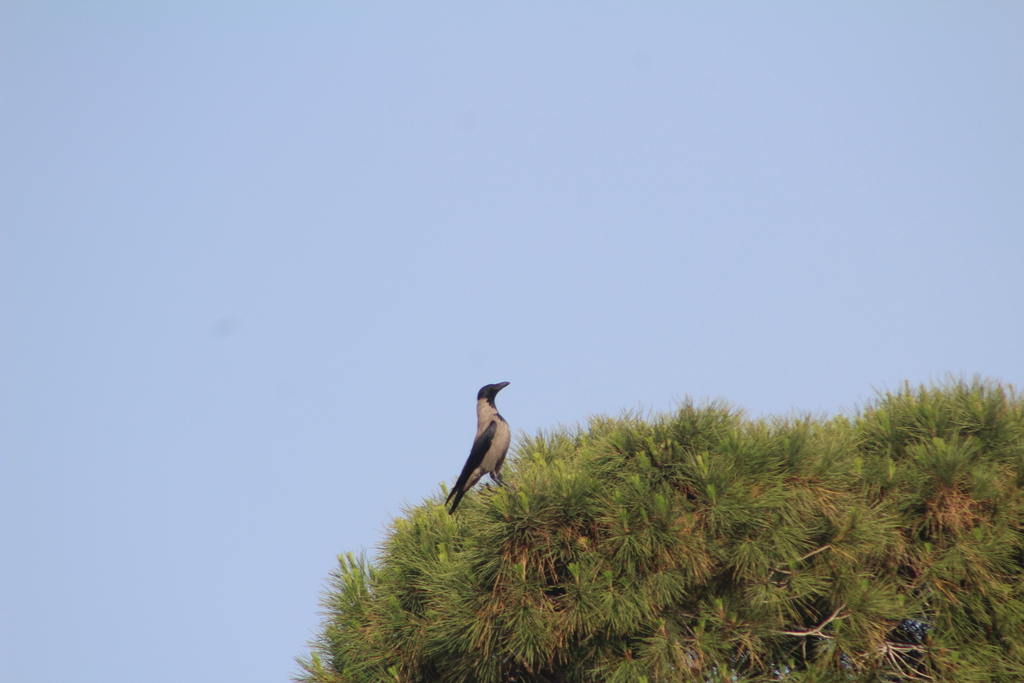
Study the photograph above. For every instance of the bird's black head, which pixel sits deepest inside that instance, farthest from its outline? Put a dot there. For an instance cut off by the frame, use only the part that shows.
(490, 391)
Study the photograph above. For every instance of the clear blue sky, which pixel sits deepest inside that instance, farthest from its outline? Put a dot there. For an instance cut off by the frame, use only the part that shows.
(257, 259)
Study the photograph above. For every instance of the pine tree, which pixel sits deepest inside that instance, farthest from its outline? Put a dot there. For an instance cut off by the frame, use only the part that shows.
(700, 545)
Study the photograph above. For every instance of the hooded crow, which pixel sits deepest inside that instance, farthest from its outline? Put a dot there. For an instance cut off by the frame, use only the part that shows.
(489, 446)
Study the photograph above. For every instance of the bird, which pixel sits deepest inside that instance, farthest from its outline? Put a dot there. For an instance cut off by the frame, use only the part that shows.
(489, 447)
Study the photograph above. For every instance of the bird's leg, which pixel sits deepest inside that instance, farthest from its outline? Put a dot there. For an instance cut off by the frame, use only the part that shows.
(496, 476)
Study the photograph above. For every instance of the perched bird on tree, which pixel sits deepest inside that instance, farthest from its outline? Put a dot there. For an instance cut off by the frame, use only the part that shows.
(489, 447)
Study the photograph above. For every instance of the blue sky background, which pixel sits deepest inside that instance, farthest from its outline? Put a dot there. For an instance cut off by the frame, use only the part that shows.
(257, 259)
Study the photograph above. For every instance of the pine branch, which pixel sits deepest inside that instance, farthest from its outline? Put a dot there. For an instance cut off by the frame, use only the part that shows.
(816, 631)
(814, 552)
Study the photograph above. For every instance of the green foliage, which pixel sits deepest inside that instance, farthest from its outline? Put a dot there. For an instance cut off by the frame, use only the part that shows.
(704, 546)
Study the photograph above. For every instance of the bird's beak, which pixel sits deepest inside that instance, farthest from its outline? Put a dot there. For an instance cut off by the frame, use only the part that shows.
(501, 385)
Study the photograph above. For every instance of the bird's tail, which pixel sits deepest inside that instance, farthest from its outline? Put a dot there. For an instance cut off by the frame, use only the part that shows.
(457, 493)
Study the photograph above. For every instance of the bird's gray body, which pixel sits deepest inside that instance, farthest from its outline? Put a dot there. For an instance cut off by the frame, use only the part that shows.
(494, 457)
(489, 446)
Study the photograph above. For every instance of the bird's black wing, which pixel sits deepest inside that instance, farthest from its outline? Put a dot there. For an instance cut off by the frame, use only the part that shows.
(476, 456)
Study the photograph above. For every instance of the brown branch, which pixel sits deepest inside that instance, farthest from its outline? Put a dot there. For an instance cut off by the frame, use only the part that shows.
(816, 631)
(814, 552)
(902, 667)
(827, 546)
